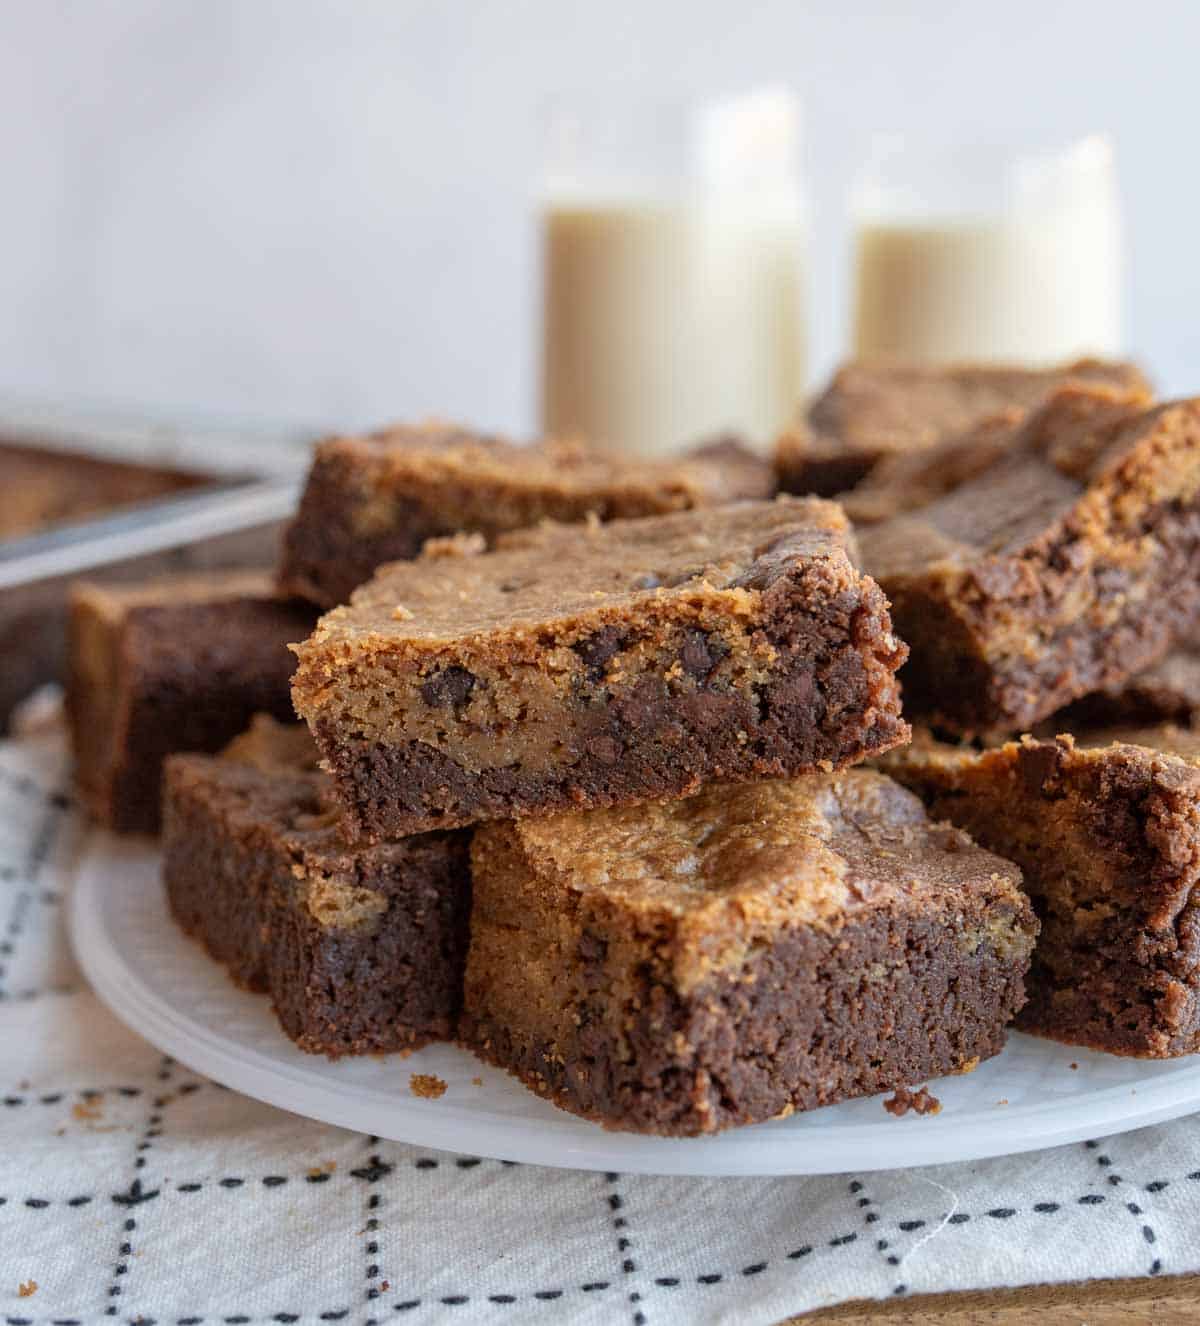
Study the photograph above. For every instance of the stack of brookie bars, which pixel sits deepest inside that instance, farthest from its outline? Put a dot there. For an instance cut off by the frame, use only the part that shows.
(603, 771)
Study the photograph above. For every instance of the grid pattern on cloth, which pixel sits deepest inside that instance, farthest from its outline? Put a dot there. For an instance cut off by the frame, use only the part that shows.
(132, 1190)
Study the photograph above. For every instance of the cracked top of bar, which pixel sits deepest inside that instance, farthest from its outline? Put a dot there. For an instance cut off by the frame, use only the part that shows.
(805, 850)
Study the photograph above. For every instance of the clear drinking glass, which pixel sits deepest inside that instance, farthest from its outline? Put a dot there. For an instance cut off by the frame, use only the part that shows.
(989, 254)
(672, 241)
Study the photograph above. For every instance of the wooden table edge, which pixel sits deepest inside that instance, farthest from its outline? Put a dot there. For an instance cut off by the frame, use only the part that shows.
(1157, 1299)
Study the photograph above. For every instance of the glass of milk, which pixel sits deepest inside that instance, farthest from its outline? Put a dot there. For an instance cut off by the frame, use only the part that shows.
(672, 246)
(976, 253)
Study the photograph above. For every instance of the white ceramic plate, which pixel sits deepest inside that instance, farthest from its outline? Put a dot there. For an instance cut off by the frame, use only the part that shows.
(1036, 1094)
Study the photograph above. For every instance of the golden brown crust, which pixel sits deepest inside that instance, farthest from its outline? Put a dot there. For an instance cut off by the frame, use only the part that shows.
(438, 455)
(564, 571)
(725, 867)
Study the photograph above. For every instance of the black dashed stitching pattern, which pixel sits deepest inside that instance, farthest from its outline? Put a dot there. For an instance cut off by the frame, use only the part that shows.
(137, 1193)
(371, 1173)
(1104, 1161)
(616, 1207)
(869, 1217)
(26, 875)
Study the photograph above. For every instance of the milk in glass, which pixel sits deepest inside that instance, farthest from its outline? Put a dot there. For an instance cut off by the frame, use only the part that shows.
(673, 293)
(979, 255)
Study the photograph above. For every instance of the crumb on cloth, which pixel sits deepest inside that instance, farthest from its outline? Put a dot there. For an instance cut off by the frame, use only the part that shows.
(27, 1288)
(426, 1085)
(920, 1101)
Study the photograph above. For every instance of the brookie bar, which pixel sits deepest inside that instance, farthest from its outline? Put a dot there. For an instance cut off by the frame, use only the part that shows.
(577, 667)
(179, 664)
(361, 950)
(1108, 841)
(1066, 566)
(683, 967)
(376, 499)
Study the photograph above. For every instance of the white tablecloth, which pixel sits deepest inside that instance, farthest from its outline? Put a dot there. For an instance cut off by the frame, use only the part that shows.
(131, 1189)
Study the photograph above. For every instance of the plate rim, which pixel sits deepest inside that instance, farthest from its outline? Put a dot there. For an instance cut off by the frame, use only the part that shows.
(755, 1151)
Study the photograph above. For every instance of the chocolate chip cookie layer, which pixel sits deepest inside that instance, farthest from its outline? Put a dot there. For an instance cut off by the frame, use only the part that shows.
(591, 666)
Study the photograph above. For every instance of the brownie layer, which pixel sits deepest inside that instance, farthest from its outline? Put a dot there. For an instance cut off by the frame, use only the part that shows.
(1067, 566)
(759, 652)
(806, 1024)
(175, 665)
(378, 499)
(361, 951)
(1108, 840)
(687, 967)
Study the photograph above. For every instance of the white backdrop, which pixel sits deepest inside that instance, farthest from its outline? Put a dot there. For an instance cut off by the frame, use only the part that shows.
(319, 210)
